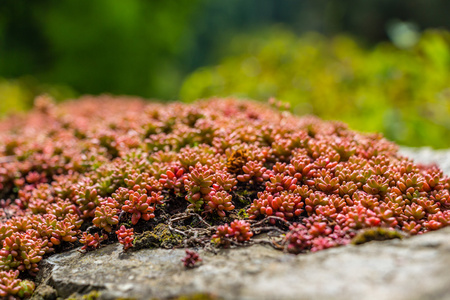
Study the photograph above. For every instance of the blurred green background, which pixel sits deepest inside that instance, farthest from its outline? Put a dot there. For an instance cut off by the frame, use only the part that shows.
(379, 65)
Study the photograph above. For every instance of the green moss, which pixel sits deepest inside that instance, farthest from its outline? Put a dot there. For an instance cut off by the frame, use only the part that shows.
(160, 236)
(243, 193)
(93, 295)
(243, 197)
(376, 234)
(242, 214)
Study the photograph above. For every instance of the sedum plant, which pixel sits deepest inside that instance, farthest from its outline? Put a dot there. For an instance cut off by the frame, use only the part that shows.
(191, 259)
(216, 172)
(126, 237)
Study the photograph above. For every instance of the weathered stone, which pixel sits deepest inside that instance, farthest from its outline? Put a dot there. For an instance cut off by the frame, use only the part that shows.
(412, 268)
(44, 292)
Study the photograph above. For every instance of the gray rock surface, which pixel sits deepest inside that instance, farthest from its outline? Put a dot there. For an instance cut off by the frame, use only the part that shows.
(413, 268)
(426, 155)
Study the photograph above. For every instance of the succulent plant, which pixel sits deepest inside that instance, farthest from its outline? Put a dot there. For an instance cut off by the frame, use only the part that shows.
(91, 241)
(198, 184)
(126, 237)
(191, 259)
(106, 214)
(238, 230)
(220, 202)
(11, 285)
(139, 207)
(245, 164)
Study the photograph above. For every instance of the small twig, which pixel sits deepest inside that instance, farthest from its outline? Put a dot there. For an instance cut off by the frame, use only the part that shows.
(177, 230)
(279, 247)
(273, 218)
(259, 229)
(266, 242)
(261, 242)
(231, 242)
(201, 219)
(178, 217)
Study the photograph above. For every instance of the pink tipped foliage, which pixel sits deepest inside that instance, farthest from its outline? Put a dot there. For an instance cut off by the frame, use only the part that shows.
(106, 214)
(139, 207)
(13, 287)
(191, 259)
(199, 185)
(91, 241)
(126, 237)
(220, 202)
(108, 162)
(238, 230)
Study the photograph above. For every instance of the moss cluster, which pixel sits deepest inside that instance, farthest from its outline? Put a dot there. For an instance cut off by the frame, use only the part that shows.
(376, 234)
(160, 237)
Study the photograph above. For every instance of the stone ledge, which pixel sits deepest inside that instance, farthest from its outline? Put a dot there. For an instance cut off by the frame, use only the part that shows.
(414, 268)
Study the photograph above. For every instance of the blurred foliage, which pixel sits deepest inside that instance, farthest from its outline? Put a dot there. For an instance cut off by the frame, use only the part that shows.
(404, 93)
(17, 95)
(114, 46)
(147, 48)
(214, 22)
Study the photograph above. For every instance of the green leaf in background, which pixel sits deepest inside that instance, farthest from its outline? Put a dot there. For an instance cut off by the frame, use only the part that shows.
(403, 93)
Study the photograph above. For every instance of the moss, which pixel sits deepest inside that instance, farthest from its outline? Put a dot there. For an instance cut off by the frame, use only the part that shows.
(242, 214)
(243, 197)
(160, 236)
(93, 295)
(376, 234)
(198, 297)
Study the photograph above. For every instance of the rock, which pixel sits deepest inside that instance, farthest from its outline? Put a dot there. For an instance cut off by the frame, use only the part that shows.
(415, 268)
(412, 268)
(44, 292)
(426, 155)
